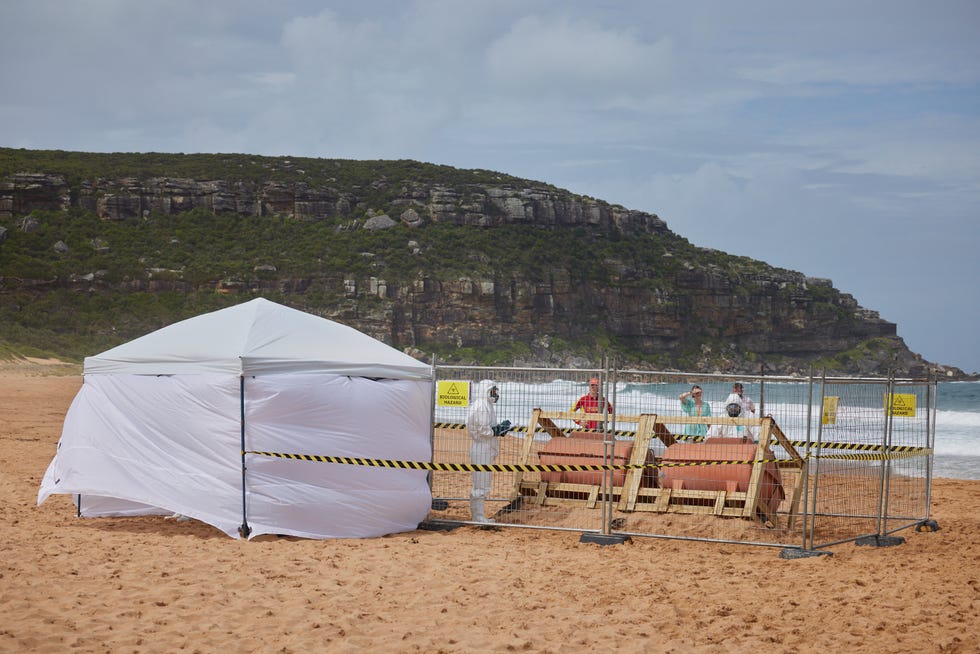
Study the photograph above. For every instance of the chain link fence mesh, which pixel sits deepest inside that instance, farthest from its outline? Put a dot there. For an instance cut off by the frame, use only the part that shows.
(819, 462)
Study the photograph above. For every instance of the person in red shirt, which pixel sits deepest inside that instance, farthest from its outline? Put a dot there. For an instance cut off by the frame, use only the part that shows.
(591, 403)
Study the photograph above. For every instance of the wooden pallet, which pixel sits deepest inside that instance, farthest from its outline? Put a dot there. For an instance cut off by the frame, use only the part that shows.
(632, 496)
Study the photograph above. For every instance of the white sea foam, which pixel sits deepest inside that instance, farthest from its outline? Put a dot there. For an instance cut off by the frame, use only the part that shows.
(956, 437)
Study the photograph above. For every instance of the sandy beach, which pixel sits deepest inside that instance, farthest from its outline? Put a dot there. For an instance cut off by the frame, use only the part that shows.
(154, 585)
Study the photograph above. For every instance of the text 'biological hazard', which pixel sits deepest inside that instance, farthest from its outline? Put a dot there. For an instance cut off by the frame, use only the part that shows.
(452, 393)
(902, 404)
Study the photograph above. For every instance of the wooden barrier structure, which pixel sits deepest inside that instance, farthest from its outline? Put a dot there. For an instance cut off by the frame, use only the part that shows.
(640, 488)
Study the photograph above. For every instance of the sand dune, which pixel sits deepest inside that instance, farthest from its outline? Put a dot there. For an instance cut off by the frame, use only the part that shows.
(153, 585)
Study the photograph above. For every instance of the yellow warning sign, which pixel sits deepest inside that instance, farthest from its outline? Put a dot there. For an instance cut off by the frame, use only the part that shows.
(452, 393)
(830, 410)
(902, 404)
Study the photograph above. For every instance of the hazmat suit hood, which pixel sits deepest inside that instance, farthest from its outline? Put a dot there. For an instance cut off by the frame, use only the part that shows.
(487, 390)
(482, 415)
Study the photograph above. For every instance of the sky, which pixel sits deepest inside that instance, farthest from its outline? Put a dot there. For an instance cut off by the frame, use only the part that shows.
(837, 139)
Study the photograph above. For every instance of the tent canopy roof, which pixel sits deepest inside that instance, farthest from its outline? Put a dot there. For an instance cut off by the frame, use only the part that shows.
(257, 337)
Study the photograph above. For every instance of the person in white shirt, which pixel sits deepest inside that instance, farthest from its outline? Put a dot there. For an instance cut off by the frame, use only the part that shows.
(739, 397)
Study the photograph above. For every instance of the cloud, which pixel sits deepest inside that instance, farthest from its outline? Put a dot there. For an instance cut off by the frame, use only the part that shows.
(324, 46)
(835, 138)
(575, 57)
(874, 69)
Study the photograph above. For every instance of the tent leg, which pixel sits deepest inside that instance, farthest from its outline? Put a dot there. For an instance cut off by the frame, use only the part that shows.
(244, 530)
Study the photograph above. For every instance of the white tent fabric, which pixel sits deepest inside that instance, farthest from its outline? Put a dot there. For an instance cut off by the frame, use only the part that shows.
(257, 337)
(137, 442)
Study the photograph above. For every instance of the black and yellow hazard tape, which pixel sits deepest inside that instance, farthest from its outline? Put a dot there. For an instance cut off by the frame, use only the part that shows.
(864, 447)
(912, 450)
(494, 467)
(431, 465)
(626, 433)
(457, 425)
(882, 456)
(516, 467)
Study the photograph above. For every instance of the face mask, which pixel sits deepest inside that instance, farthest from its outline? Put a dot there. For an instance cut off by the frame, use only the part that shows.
(493, 395)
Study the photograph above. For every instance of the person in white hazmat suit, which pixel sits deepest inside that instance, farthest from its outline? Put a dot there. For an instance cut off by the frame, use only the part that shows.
(746, 433)
(484, 432)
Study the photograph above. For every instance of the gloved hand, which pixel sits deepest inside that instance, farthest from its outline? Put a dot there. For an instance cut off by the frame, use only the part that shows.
(501, 428)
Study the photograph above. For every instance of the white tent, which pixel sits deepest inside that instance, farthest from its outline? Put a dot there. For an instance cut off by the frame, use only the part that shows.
(168, 423)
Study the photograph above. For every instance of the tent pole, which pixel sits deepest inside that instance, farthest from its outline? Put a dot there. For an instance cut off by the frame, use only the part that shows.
(432, 422)
(244, 530)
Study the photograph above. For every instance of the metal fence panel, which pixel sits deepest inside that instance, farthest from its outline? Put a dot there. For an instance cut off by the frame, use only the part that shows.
(820, 462)
(845, 493)
(521, 391)
(909, 472)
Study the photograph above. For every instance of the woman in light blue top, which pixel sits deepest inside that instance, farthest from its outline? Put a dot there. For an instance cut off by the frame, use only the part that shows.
(693, 405)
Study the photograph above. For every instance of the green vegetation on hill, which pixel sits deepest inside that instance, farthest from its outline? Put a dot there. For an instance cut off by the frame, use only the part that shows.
(374, 181)
(73, 284)
(198, 249)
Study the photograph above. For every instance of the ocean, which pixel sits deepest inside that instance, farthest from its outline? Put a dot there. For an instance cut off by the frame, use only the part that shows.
(957, 435)
(958, 430)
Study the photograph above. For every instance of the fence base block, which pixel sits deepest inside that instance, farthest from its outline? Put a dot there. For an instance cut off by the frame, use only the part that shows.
(927, 525)
(797, 553)
(439, 526)
(604, 539)
(880, 541)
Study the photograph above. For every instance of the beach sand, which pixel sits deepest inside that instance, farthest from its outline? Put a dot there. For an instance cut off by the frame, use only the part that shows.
(154, 585)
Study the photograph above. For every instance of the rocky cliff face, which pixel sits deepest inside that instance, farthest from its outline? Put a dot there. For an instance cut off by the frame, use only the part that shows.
(785, 329)
(779, 320)
(130, 198)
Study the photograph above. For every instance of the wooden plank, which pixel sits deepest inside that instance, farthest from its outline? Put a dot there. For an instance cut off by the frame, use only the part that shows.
(568, 487)
(646, 508)
(720, 503)
(663, 500)
(689, 509)
(578, 416)
(679, 419)
(780, 437)
(565, 503)
(542, 492)
(641, 449)
(770, 516)
(550, 427)
(593, 497)
(532, 426)
(794, 503)
(755, 486)
(664, 434)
